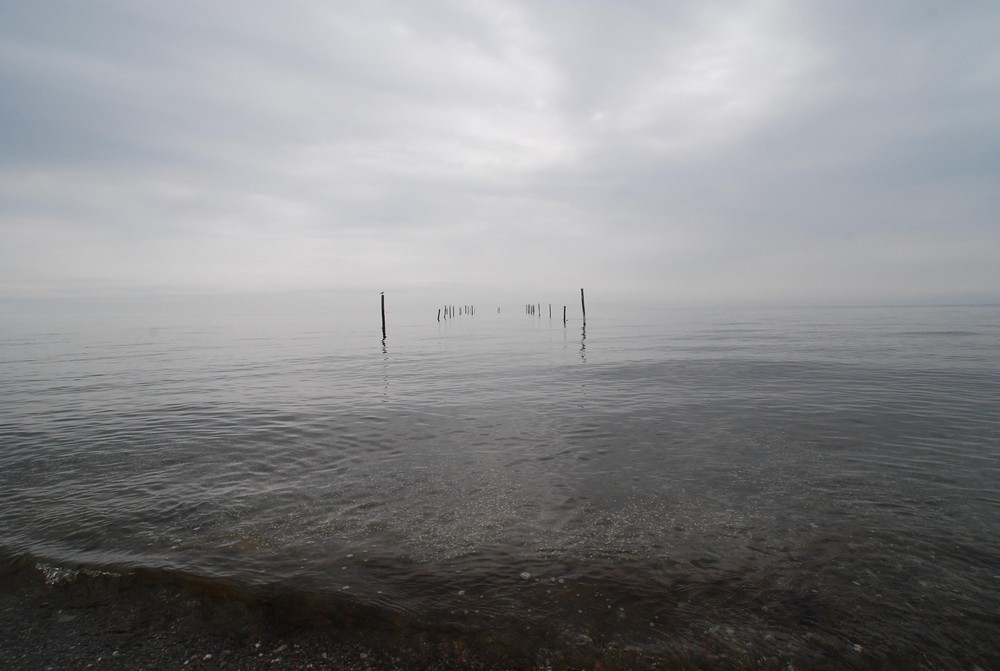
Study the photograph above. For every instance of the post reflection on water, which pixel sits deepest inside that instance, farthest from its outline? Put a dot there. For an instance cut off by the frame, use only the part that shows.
(385, 372)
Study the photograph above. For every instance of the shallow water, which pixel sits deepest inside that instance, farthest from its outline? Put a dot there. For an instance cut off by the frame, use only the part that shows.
(783, 484)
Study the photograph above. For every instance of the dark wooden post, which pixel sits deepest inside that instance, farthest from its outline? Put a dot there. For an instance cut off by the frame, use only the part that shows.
(583, 305)
(383, 314)
(564, 315)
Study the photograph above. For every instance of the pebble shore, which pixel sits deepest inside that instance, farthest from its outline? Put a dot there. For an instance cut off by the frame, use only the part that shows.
(61, 627)
(117, 623)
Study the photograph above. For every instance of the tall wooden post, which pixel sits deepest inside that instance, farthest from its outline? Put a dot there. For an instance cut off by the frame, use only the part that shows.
(583, 305)
(383, 314)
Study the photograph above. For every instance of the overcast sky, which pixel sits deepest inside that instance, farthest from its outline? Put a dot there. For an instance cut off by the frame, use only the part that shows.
(751, 152)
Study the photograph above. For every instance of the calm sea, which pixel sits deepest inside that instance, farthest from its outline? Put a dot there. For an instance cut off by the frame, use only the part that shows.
(813, 486)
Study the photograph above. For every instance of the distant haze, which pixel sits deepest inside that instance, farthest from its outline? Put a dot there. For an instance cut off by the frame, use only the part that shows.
(684, 152)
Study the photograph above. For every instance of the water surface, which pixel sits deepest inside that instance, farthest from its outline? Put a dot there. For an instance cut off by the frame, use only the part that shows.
(807, 486)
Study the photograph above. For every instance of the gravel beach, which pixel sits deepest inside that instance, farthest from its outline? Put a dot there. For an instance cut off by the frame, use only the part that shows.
(112, 625)
(120, 622)
(127, 622)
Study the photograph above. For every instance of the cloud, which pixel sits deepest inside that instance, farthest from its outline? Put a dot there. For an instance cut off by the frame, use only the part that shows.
(693, 151)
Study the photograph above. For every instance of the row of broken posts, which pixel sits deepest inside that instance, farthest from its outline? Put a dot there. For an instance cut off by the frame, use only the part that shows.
(449, 311)
(534, 309)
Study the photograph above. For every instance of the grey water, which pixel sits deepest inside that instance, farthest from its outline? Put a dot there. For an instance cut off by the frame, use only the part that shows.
(799, 485)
